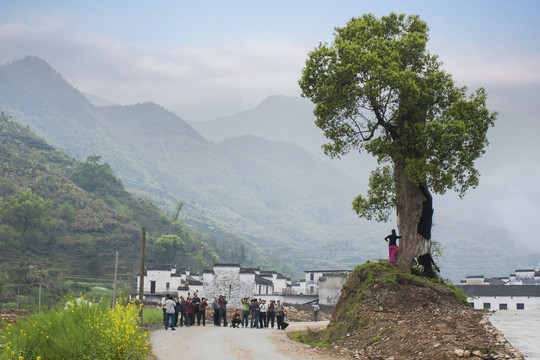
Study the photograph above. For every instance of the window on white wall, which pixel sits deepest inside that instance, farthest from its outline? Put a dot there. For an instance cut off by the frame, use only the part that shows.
(520, 306)
(168, 285)
(503, 306)
(487, 306)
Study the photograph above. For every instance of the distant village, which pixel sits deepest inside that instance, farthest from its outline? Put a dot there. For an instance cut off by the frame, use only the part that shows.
(236, 282)
(518, 291)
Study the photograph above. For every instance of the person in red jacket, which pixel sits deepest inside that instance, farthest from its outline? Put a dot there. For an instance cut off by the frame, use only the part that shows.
(202, 312)
(191, 311)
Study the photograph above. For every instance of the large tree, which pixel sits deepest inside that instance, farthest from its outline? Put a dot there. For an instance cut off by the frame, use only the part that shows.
(27, 213)
(377, 89)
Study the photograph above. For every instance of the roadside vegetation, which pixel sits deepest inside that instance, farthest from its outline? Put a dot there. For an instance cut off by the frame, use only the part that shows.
(78, 329)
(62, 221)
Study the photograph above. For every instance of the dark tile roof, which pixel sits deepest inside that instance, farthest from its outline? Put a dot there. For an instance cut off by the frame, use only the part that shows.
(247, 271)
(193, 281)
(262, 281)
(498, 280)
(501, 290)
(253, 269)
(160, 267)
(227, 265)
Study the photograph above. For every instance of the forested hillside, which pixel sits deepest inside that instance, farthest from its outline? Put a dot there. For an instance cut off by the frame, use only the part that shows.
(62, 221)
(255, 201)
(272, 195)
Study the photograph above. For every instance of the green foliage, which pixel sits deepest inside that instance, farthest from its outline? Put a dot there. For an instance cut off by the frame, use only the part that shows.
(166, 247)
(74, 229)
(380, 196)
(95, 177)
(27, 213)
(80, 330)
(309, 337)
(152, 315)
(377, 89)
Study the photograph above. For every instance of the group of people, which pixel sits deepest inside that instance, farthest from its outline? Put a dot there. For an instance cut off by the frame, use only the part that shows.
(183, 312)
(255, 313)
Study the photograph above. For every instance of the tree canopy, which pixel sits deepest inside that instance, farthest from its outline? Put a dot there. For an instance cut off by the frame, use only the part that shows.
(166, 247)
(95, 177)
(377, 89)
(26, 211)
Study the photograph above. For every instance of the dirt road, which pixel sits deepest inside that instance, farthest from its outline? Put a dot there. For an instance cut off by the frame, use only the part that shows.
(210, 342)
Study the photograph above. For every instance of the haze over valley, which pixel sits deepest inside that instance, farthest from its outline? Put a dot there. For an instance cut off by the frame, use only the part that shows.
(281, 198)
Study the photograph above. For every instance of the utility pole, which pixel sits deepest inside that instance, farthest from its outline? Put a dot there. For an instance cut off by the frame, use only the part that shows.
(39, 299)
(114, 285)
(141, 275)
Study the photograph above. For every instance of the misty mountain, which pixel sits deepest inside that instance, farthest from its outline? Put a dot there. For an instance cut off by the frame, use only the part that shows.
(274, 194)
(283, 118)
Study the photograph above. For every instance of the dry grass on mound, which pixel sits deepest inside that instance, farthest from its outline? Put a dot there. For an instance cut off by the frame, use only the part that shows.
(385, 314)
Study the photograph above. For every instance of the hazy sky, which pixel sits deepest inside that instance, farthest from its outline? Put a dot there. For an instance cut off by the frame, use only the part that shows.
(207, 59)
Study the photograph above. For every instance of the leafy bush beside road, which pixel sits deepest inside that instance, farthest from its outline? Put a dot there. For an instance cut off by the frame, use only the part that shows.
(77, 330)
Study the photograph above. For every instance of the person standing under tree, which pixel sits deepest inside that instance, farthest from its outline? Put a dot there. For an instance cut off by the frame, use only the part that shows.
(392, 245)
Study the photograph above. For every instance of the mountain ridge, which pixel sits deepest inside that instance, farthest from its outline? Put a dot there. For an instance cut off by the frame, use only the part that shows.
(296, 207)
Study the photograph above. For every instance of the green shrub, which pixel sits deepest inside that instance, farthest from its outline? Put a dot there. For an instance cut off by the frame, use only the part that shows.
(80, 330)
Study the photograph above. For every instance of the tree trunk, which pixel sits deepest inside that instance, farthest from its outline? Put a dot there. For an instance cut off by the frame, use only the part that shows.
(414, 207)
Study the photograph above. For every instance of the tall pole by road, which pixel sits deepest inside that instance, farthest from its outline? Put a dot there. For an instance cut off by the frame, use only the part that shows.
(114, 284)
(141, 275)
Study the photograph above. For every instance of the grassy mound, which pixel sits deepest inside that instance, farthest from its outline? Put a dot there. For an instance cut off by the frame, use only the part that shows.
(384, 313)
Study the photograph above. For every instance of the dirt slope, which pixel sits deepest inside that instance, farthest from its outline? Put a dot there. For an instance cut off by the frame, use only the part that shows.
(385, 314)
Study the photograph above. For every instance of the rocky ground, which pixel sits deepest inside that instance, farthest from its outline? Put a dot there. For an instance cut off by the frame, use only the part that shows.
(9, 316)
(388, 316)
(408, 322)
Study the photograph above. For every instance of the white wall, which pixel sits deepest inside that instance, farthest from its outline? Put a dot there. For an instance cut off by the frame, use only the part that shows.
(530, 303)
(161, 277)
(330, 287)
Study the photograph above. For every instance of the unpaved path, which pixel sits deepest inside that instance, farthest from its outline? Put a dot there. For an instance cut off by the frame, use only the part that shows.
(211, 342)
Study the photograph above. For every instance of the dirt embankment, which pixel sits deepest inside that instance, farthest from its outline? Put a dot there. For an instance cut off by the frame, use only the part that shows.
(10, 316)
(384, 314)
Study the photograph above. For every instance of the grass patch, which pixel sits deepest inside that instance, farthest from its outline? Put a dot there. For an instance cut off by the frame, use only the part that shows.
(81, 330)
(152, 315)
(309, 337)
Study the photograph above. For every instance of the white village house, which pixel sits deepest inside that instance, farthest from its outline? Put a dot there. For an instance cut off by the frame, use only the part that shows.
(326, 284)
(518, 291)
(237, 282)
(167, 279)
